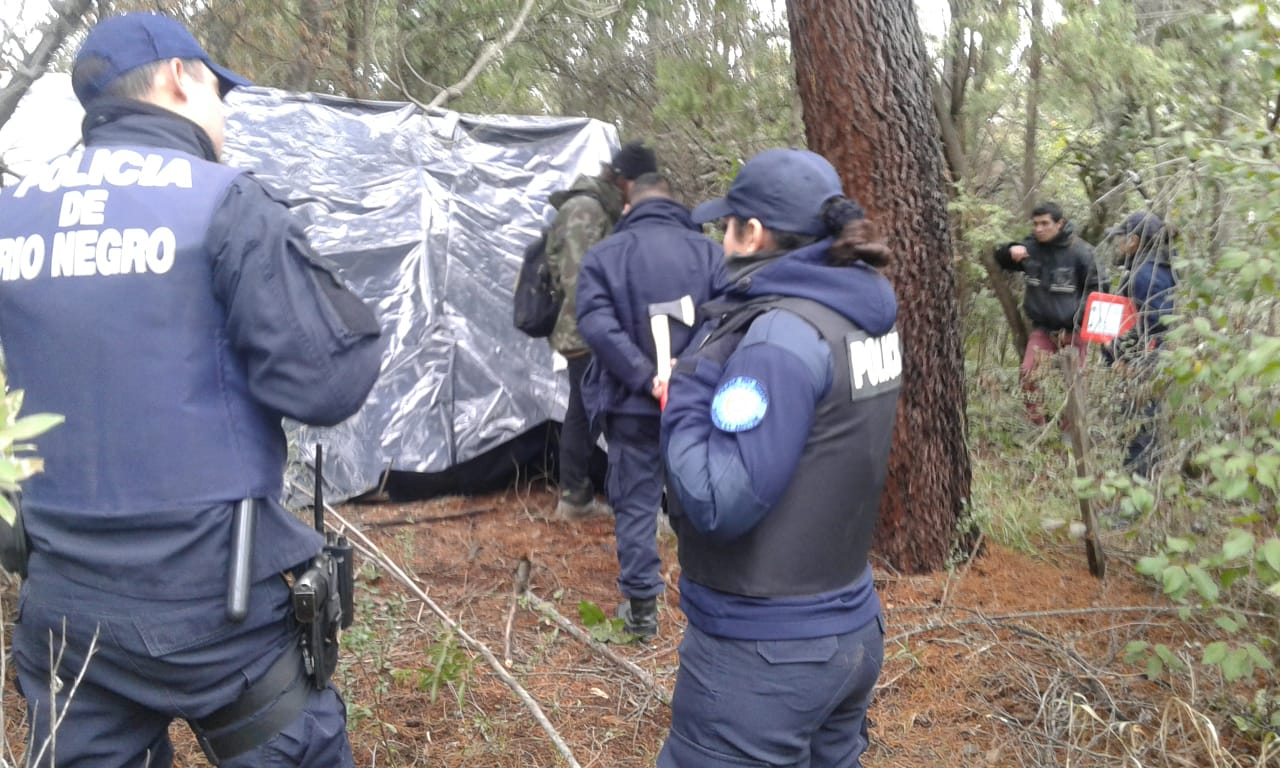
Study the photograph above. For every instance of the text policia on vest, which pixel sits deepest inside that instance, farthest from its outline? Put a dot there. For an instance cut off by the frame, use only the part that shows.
(82, 250)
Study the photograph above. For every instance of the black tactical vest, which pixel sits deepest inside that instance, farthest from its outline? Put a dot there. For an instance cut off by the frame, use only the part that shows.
(817, 537)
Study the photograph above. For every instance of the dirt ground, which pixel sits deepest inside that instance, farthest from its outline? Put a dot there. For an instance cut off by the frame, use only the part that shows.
(1010, 660)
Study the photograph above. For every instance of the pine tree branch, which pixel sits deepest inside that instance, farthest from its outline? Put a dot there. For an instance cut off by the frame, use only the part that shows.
(373, 552)
(485, 58)
(53, 33)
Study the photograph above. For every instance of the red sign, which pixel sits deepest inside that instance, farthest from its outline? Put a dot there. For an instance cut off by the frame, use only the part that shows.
(1106, 316)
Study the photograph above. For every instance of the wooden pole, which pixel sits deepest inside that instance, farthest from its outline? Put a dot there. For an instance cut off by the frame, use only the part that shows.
(1078, 430)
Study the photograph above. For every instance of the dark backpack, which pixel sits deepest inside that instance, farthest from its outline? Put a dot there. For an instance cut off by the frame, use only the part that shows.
(537, 299)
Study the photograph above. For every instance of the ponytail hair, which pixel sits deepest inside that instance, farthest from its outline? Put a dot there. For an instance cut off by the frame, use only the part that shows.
(856, 239)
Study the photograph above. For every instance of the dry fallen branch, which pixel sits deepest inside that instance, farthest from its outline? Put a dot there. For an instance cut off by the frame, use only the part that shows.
(603, 649)
(429, 518)
(981, 618)
(375, 553)
(55, 687)
(520, 588)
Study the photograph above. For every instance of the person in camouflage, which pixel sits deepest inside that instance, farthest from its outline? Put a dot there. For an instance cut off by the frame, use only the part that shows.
(586, 213)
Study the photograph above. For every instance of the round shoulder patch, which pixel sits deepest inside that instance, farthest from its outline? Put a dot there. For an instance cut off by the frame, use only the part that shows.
(739, 405)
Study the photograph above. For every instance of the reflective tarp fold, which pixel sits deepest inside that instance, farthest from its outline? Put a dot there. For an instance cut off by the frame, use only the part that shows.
(426, 217)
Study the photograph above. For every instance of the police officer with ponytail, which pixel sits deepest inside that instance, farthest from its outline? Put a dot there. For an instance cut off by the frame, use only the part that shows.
(171, 308)
(776, 439)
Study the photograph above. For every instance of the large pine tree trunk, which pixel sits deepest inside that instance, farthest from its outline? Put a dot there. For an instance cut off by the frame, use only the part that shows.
(860, 65)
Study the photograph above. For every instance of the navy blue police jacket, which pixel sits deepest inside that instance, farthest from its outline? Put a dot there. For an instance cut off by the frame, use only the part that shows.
(172, 310)
(1150, 283)
(735, 430)
(656, 254)
(1148, 280)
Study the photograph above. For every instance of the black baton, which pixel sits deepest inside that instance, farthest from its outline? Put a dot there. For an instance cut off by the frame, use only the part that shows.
(246, 517)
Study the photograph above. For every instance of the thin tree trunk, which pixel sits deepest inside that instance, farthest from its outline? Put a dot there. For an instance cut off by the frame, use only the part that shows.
(1034, 60)
(860, 66)
(310, 34)
(354, 24)
(53, 33)
(483, 60)
(964, 61)
(999, 282)
(949, 129)
(1220, 228)
(949, 95)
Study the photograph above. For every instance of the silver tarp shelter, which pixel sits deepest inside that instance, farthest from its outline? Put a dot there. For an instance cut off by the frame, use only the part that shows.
(426, 217)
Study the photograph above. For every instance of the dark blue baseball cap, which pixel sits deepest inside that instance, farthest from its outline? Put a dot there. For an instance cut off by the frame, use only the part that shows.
(132, 40)
(1144, 224)
(783, 188)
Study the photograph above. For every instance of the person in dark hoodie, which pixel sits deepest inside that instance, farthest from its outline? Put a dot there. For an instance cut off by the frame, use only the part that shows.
(585, 214)
(1148, 281)
(1060, 274)
(173, 311)
(776, 439)
(656, 255)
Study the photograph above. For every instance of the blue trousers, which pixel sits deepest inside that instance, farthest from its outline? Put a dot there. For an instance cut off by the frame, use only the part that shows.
(155, 661)
(634, 486)
(1140, 455)
(793, 703)
(577, 439)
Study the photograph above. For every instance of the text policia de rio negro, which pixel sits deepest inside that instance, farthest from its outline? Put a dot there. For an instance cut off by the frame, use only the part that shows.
(84, 248)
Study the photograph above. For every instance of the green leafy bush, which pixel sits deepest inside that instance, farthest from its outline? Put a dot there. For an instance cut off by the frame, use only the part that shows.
(16, 461)
(1214, 508)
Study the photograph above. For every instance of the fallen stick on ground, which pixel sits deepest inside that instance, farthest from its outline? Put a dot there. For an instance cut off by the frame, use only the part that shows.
(521, 587)
(428, 518)
(1099, 610)
(373, 552)
(644, 677)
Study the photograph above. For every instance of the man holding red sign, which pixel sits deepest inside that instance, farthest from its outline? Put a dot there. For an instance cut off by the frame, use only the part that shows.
(1060, 272)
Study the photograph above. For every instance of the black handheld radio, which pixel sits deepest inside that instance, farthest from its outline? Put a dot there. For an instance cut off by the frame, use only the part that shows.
(323, 596)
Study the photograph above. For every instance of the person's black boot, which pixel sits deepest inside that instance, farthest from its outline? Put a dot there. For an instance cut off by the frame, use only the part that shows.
(640, 617)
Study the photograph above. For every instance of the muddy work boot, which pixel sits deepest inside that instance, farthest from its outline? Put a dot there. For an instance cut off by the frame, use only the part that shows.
(640, 617)
(578, 506)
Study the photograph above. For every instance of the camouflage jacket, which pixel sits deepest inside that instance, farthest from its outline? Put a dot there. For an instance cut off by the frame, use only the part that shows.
(581, 222)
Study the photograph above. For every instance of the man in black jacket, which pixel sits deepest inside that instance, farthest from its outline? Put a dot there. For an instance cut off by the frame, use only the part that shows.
(1060, 274)
(656, 255)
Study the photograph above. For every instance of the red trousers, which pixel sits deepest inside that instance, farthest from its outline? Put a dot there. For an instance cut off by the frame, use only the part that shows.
(1041, 346)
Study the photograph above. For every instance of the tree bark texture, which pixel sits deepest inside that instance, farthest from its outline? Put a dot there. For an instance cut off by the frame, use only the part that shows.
(998, 280)
(860, 67)
(311, 44)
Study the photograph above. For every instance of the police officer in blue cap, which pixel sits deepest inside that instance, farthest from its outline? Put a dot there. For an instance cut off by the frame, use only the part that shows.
(776, 438)
(171, 308)
(1147, 278)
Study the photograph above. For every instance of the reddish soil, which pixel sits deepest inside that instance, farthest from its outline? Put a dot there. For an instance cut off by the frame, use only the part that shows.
(976, 673)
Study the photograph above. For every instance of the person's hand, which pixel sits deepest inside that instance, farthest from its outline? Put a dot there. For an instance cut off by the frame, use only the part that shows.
(1017, 252)
(659, 390)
